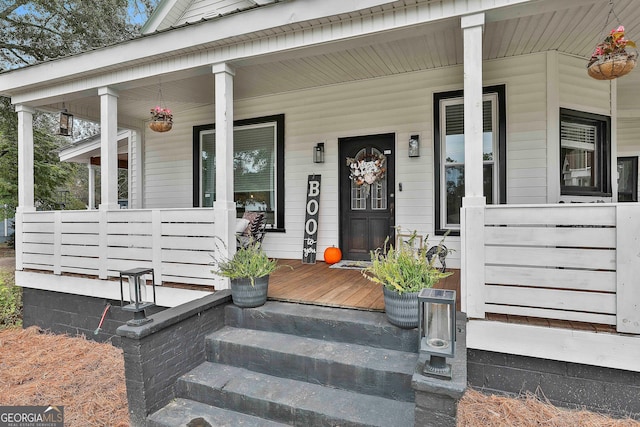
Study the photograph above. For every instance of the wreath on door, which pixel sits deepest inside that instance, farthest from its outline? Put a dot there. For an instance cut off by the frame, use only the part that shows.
(366, 169)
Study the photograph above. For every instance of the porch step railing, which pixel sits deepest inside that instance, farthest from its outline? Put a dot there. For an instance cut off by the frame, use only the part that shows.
(573, 262)
(177, 243)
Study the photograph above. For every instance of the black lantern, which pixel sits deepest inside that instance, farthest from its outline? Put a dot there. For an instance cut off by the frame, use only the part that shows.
(437, 329)
(414, 146)
(137, 294)
(318, 153)
(66, 124)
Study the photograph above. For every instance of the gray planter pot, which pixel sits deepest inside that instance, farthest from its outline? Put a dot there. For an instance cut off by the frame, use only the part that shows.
(247, 296)
(401, 310)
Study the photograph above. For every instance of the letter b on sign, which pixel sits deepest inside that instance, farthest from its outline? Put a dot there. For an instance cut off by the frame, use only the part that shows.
(314, 189)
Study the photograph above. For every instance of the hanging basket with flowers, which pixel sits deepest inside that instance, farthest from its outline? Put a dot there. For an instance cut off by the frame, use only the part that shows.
(161, 119)
(611, 59)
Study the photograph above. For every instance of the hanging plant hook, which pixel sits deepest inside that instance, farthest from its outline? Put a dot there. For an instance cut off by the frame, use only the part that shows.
(161, 116)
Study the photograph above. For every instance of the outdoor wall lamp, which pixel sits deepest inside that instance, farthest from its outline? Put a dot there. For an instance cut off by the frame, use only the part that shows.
(65, 127)
(414, 146)
(318, 153)
(137, 294)
(437, 329)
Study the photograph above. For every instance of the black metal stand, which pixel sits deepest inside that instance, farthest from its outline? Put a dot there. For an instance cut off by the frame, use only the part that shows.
(437, 366)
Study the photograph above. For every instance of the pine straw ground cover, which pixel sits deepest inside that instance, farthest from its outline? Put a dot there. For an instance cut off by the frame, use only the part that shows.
(37, 368)
(85, 377)
(529, 410)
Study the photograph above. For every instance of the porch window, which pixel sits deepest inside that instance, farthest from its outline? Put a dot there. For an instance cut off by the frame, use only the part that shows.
(258, 164)
(449, 154)
(584, 153)
(627, 179)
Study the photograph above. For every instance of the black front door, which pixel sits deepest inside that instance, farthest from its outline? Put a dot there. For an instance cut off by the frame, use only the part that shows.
(367, 203)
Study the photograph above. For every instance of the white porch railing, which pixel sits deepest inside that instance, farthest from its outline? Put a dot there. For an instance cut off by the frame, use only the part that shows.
(573, 262)
(176, 243)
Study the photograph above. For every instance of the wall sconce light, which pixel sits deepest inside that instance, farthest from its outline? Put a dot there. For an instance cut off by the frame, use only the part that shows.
(437, 329)
(65, 127)
(414, 146)
(318, 153)
(137, 294)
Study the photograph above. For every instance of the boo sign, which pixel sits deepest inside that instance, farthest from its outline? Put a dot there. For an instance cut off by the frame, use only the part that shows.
(310, 243)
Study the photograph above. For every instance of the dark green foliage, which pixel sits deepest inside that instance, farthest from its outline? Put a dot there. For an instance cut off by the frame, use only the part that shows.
(10, 301)
(35, 31)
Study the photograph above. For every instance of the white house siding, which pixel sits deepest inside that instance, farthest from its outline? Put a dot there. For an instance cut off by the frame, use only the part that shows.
(168, 160)
(401, 104)
(580, 92)
(525, 82)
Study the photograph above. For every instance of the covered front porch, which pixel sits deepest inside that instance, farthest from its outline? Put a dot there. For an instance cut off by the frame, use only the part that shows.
(525, 248)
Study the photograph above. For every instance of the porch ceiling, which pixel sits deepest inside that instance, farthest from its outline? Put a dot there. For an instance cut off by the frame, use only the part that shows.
(570, 26)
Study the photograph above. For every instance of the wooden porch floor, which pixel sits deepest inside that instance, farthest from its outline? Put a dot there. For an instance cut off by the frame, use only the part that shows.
(318, 284)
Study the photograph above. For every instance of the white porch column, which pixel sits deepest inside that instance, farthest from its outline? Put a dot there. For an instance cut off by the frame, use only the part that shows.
(473, 203)
(92, 186)
(224, 205)
(473, 164)
(26, 199)
(25, 158)
(108, 148)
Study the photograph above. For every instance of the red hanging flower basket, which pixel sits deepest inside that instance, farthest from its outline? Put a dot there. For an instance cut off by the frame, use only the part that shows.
(610, 59)
(161, 119)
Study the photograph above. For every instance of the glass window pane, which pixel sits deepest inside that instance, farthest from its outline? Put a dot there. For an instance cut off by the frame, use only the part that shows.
(254, 164)
(454, 178)
(578, 154)
(454, 133)
(254, 169)
(578, 167)
(379, 190)
(487, 177)
(628, 179)
(453, 149)
(208, 170)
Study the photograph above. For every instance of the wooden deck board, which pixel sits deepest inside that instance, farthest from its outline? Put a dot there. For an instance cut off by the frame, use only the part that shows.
(321, 285)
(318, 284)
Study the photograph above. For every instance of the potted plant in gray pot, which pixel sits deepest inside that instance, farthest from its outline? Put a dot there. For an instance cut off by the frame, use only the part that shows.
(248, 271)
(403, 271)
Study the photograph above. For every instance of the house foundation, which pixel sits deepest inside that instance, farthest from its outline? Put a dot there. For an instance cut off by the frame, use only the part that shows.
(570, 385)
(71, 314)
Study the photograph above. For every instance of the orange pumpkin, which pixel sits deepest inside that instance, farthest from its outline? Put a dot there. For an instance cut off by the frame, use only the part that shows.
(332, 255)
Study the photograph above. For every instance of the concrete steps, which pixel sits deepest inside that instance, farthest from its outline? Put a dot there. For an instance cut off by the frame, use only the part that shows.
(181, 412)
(300, 365)
(294, 402)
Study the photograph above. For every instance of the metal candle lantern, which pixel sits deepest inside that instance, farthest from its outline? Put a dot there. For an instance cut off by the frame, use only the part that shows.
(137, 294)
(65, 127)
(318, 153)
(437, 329)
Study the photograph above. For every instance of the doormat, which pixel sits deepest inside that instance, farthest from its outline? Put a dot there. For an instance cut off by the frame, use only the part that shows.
(351, 265)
